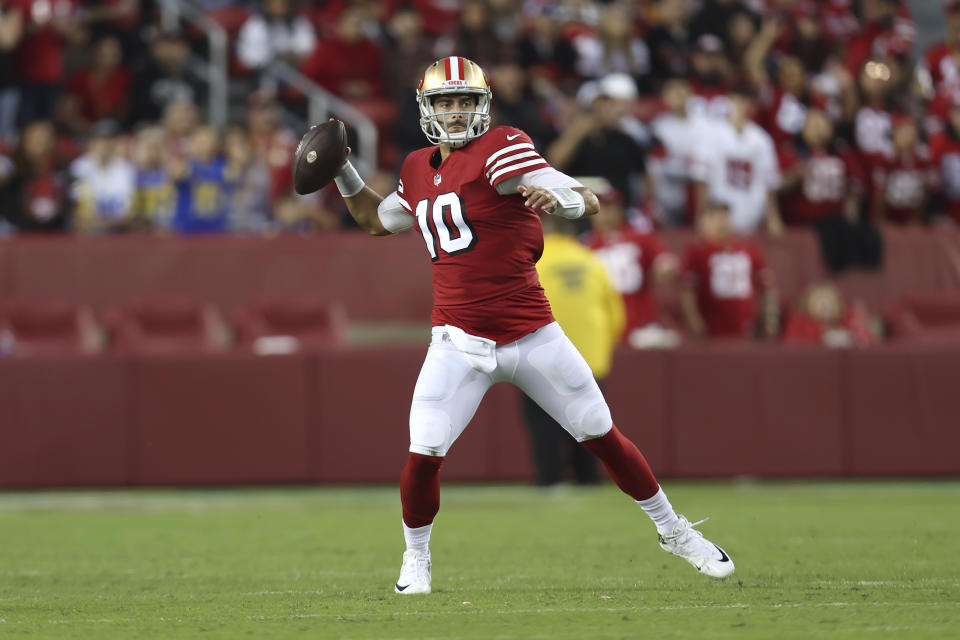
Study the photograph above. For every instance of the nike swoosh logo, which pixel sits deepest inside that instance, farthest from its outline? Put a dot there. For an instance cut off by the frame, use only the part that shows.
(723, 555)
(516, 135)
(403, 588)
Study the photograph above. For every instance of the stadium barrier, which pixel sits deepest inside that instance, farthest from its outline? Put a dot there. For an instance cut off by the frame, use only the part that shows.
(381, 279)
(340, 416)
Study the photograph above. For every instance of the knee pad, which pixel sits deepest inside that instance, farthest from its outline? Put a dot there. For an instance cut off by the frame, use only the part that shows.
(429, 431)
(595, 422)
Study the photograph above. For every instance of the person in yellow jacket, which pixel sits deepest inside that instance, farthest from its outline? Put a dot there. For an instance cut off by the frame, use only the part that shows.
(591, 312)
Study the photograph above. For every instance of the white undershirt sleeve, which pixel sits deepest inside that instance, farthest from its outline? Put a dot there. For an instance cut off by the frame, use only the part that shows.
(394, 216)
(548, 178)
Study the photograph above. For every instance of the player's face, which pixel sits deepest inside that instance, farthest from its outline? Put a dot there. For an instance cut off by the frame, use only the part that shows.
(455, 106)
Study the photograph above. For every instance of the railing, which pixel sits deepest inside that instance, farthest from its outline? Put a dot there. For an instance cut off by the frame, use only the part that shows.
(213, 71)
(320, 102)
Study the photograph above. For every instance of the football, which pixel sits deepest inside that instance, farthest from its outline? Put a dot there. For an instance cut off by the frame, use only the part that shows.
(320, 154)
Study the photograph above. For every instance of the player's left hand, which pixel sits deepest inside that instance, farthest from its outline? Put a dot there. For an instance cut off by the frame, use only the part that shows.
(538, 199)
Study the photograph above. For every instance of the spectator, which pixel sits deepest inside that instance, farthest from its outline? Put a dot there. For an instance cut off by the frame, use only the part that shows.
(475, 38)
(635, 261)
(98, 92)
(615, 48)
(821, 318)
(545, 53)
(11, 31)
(821, 178)
(411, 51)
(202, 188)
(939, 69)
(591, 313)
(119, 19)
(945, 152)
(279, 32)
(249, 201)
(735, 163)
(671, 42)
(903, 180)
(273, 143)
(595, 143)
(670, 161)
(48, 27)
(723, 276)
(713, 17)
(179, 121)
(710, 80)
(155, 201)
(887, 31)
(104, 184)
(349, 63)
(164, 79)
(34, 198)
(516, 107)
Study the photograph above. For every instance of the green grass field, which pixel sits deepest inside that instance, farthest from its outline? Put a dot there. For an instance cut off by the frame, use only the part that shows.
(823, 560)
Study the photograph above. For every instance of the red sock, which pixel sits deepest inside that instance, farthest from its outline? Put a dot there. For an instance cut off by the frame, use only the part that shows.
(420, 489)
(625, 464)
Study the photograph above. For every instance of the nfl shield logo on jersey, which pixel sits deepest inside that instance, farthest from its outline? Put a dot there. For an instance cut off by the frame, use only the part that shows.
(436, 180)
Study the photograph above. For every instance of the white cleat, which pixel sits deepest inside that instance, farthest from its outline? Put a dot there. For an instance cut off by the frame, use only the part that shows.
(689, 544)
(415, 573)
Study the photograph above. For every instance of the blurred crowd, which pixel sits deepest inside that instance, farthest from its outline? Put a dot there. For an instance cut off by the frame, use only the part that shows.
(792, 112)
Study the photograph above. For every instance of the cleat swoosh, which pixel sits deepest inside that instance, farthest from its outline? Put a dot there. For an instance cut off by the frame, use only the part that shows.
(723, 554)
(403, 588)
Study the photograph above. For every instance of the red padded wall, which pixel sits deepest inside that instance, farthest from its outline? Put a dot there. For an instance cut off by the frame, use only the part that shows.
(233, 418)
(904, 413)
(64, 421)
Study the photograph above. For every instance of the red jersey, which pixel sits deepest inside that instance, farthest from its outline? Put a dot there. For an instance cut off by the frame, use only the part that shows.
(628, 256)
(39, 56)
(945, 152)
(726, 277)
(827, 179)
(905, 180)
(484, 246)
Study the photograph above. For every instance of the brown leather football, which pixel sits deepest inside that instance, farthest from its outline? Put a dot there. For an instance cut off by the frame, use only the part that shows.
(320, 154)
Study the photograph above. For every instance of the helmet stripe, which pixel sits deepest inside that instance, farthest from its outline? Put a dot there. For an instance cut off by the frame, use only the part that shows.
(463, 76)
(454, 68)
(446, 63)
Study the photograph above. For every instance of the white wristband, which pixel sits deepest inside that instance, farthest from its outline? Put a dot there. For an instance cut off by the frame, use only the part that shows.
(570, 204)
(349, 181)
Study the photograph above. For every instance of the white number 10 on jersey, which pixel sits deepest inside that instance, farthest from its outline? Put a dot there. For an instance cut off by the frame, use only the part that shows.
(450, 232)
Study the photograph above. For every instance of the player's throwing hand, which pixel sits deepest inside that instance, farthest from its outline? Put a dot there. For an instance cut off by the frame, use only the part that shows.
(538, 199)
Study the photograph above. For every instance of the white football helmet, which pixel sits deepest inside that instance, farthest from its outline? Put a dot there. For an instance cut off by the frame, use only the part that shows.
(448, 76)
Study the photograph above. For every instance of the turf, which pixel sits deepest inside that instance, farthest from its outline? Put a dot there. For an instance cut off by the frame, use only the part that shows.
(824, 560)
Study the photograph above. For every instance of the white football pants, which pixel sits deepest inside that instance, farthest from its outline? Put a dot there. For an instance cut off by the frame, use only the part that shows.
(544, 364)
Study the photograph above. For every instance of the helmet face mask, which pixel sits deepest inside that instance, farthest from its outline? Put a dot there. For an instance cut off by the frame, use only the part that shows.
(453, 76)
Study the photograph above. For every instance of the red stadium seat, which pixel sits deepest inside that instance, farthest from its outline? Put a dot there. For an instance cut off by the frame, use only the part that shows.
(167, 324)
(283, 325)
(47, 327)
(926, 317)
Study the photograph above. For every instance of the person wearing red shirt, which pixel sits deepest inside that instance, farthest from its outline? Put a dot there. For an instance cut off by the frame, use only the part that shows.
(48, 26)
(945, 154)
(822, 318)
(888, 31)
(820, 178)
(475, 195)
(349, 63)
(724, 274)
(99, 91)
(634, 260)
(903, 179)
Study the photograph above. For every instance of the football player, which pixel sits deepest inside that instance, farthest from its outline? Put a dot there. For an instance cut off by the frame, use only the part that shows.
(475, 196)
